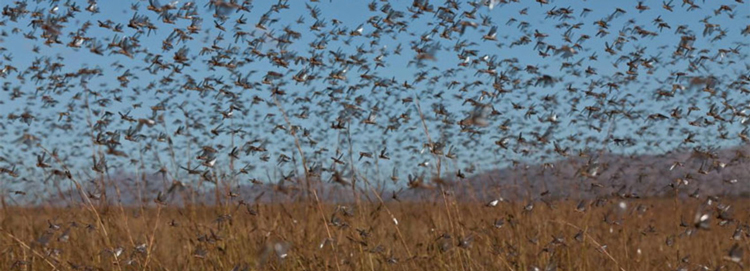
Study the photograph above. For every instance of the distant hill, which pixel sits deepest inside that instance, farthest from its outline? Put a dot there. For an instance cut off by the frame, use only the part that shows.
(719, 172)
(687, 172)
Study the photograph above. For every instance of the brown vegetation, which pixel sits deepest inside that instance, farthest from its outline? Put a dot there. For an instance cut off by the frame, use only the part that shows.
(446, 235)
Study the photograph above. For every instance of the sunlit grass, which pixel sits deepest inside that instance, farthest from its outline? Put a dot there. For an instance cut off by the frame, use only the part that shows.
(442, 235)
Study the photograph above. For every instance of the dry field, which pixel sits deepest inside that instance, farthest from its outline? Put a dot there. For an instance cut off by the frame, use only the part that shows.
(608, 234)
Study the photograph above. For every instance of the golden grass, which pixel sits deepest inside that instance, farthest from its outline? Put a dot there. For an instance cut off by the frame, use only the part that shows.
(366, 237)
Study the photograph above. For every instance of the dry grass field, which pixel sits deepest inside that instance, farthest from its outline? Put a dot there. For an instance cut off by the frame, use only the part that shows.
(607, 234)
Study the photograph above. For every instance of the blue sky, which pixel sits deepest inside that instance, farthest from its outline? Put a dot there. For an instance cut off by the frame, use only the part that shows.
(406, 144)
